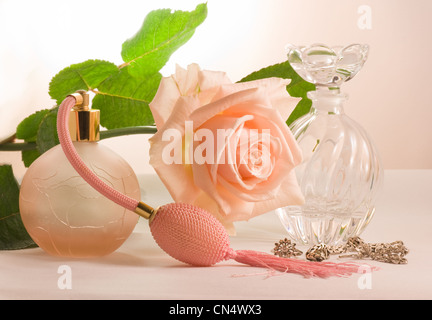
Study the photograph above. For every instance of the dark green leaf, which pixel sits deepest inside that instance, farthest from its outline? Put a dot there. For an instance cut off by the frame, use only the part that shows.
(124, 100)
(81, 76)
(29, 156)
(300, 110)
(281, 70)
(40, 127)
(47, 134)
(13, 234)
(28, 128)
(297, 87)
(162, 33)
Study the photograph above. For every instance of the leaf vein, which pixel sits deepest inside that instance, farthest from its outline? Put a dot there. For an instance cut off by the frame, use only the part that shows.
(105, 94)
(83, 80)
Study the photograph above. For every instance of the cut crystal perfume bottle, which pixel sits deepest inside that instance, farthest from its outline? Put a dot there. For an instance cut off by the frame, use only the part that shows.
(341, 173)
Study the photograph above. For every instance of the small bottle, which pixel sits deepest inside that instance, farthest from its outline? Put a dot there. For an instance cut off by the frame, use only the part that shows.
(63, 214)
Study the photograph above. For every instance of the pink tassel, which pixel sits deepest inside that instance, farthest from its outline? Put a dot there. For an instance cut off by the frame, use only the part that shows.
(307, 269)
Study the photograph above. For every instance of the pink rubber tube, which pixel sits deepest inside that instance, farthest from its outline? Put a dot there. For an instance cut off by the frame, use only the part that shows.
(79, 165)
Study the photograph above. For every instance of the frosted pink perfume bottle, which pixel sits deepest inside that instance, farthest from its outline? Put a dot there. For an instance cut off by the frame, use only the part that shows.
(62, 213)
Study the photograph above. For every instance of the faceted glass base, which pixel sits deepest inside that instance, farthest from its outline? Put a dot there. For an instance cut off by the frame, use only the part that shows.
(315, 228)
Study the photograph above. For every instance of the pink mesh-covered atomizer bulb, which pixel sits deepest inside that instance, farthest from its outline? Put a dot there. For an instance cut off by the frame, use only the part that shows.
(185, 232)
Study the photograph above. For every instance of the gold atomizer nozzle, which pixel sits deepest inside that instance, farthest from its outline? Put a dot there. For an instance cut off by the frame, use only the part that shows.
(84, 123)
(82, 100)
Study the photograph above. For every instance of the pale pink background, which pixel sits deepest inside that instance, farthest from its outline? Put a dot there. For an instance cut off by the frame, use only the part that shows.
(389, 97)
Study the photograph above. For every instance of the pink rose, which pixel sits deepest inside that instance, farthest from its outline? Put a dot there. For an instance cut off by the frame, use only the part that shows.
(225, 146)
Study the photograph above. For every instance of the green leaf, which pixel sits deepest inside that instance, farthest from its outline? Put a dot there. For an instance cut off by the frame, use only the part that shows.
(13, 234)
(297, 87)
(162, 33)
(47, 134)
(81, 76)
(40, 127)
(29, 156)
(300, 110)
(28, 128)
(124, 100)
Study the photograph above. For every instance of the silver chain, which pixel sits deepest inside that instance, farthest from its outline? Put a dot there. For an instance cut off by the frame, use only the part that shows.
(286, 249)
(355, 247)
(319, 252)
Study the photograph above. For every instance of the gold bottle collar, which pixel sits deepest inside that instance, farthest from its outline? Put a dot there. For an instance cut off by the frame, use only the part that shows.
(84, 123)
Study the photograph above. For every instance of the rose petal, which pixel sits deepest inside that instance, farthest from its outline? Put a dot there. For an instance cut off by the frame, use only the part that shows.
(205, 175)
(177, 177)
(275, 88)
(164, 101)
(212, 79)
(212, 109)
(188, 80)
(288, 194)
(260, 160)
(271, 119)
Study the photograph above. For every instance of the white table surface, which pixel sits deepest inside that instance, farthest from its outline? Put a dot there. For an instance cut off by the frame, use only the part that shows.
(141, 270)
